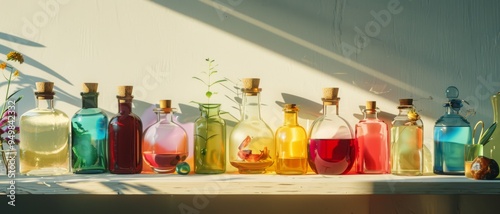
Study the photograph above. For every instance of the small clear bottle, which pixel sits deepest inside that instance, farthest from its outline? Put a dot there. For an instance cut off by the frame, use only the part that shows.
(407, 153)
(165, 142)
(291, 144)
(451, 133)
(44, 147)
(251, 144)
(373, 143)
(89, 132)
(332, 146)
(125, 136)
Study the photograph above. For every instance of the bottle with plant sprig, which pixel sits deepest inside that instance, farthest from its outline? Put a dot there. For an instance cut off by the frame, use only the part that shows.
(89, 132)
(209, 130)
(44, 150)
(251, 145)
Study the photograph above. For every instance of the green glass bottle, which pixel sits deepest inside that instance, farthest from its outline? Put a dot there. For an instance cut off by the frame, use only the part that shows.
(209, 141)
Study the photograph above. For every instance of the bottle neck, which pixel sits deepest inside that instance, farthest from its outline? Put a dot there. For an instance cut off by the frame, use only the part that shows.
(450, 110)
(125, 106)
(290, 118)
(164, 117)
(330, 108)
(403, 111)
(251, 106)
(45, 104)
(209, 110)
(89, 100)
(371, 115)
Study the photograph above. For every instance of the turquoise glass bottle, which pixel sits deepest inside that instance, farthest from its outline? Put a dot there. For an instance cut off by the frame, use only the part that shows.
(451, 133)
(89, 132)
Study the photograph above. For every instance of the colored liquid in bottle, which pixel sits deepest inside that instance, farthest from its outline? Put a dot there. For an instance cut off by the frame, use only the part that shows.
(449, 149)
(291, 166)
(373, 147)
(89, 145)
(125, 144)
(407, 155)
(332, 156)
(164, 162)
(45, 137)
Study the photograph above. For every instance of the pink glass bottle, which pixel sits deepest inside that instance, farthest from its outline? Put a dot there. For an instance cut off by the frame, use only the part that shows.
(373, 144)
(125, 136)
(165, 143)
(332, 146)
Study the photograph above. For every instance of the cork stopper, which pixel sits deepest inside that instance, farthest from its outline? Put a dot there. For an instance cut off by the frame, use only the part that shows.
(330, 96)
(290, 107)
(165, 103)
(251, 86)
(89, 87)
(405, 102)
(44, 87)
(371, 107)
(165, 106)
(125, 91)
(330, 93)
(44, 90)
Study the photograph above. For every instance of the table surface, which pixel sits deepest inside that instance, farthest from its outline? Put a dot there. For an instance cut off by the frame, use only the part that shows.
(237, 184)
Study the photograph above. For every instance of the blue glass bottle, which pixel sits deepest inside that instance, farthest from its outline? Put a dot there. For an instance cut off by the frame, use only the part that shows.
(451, 133)
(89, 134)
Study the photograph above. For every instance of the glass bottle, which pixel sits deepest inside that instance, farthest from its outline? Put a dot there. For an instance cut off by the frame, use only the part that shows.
(491, 149)
(373, 144)
(451, 133)
(251, 144)
(332, 146)
(407, 154)
(89, 132)
(125, 136)
(44, 150)
(209, 141)
(165, 143)
(291, 144)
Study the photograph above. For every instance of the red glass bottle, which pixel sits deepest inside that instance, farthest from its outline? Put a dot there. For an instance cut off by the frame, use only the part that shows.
(125, 136)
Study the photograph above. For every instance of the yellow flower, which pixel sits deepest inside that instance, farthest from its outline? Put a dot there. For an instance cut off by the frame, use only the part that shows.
(15, 56)
(16, 73)
(3, 65)
(413, 115)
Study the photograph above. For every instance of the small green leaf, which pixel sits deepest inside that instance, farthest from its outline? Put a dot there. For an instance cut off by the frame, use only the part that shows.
(218, 81)
(485, 138)
(200, 80)
(208, 94)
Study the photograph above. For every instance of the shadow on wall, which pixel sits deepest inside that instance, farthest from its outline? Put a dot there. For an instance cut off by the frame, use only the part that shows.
(388, 48)
(25, 81)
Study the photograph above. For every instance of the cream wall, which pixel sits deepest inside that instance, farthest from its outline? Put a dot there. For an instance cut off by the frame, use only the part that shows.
(295, 47)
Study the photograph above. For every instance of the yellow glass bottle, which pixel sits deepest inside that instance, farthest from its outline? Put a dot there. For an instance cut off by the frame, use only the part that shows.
(291, 144)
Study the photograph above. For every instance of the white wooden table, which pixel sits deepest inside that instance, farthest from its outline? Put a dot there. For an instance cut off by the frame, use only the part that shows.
(235, 193)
